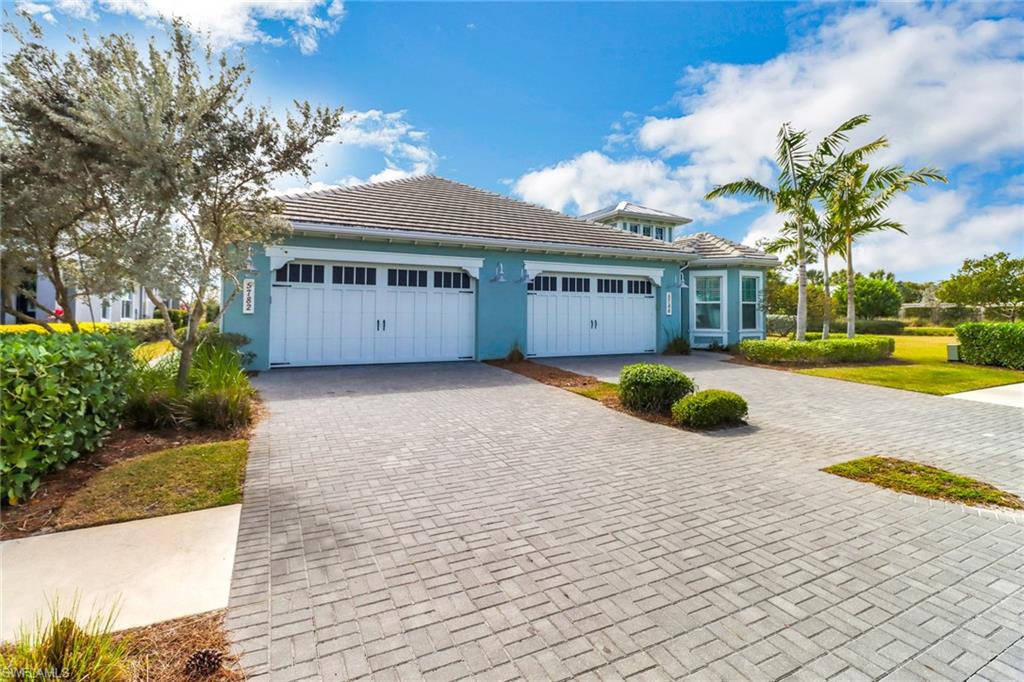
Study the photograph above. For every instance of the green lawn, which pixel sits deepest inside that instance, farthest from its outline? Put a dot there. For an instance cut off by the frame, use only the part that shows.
(923, 480)
(923, 368)
(170, 481)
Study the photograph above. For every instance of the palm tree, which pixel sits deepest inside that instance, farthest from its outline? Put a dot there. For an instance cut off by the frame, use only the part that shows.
(802, 173)
(856, 198)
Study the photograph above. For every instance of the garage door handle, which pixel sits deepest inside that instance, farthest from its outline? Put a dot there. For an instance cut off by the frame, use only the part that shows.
(378, 325)
(385, 325)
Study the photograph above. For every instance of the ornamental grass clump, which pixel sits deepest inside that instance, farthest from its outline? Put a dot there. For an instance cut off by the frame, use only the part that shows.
(652, 388)
(61, 649)
(710, 408)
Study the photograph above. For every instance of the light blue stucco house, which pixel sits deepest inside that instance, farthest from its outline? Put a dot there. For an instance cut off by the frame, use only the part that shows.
(427, 269)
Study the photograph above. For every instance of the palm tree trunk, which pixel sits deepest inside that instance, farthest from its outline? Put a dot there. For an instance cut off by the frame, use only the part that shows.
(851, 306)
(827, 319)
(801, 278)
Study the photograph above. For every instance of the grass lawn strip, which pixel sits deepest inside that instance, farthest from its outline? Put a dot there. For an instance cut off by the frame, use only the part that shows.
(170, 481)
(925, 481)
(920, 365)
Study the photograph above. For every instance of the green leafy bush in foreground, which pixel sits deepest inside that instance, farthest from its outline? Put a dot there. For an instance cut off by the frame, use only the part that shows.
(709, 408)
(62, 394)
(992, 343)
(818, 352)
(652, 388)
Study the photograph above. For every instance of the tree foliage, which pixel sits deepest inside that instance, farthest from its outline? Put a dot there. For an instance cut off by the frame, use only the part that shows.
(875, 297)
(995, 281)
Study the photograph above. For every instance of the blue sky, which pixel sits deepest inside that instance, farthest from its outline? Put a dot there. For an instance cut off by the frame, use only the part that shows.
(574, 106)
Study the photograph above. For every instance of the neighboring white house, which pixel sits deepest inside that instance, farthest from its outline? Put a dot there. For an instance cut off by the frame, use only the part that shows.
(131, 304)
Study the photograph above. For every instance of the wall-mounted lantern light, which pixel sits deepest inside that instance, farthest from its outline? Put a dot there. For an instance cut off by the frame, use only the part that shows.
(499, 273)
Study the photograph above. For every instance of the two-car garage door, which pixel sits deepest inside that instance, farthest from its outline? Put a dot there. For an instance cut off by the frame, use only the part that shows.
(333, 314)
(590, 315)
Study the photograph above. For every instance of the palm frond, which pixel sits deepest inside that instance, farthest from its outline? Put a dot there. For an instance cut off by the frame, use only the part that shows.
(791, 155)
(829, 144)
(745, 187)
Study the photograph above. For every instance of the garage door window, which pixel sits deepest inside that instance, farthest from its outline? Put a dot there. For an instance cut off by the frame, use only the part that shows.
(407, 278)
(579, 284)
(541, 283)
(300, 272)
(639, 286)
(451, 280)
(609, 286)
(349, 274)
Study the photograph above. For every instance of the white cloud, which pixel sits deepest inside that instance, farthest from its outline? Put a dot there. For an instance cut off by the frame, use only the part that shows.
(941, 228)
(230, 22)
(405, 149)
(37, 9)
(943, 82)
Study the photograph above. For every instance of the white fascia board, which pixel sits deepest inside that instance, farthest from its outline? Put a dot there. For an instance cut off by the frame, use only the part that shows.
(535, 267)
(411, 236)
(759, 262)
(279, 255)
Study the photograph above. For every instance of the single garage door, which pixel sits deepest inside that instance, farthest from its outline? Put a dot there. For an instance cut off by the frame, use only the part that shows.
(590, 315)
(340, 313)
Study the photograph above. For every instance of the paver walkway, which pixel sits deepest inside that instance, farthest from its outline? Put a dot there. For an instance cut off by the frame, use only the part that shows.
(458, 521)
(152, 570)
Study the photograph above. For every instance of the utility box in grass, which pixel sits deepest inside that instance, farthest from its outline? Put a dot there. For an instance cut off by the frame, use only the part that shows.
(953, 352)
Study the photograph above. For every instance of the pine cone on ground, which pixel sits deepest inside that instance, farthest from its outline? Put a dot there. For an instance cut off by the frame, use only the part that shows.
(203, 663)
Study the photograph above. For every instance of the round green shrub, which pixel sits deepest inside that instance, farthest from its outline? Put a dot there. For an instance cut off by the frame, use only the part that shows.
(652, 388)
(710, 408)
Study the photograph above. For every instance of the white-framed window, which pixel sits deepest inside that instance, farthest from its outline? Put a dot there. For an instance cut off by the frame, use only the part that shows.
(751, 292)
(709, 300)
(105, 310)
(126, 308)
(634, 228)
(659, 233)
(647, 230)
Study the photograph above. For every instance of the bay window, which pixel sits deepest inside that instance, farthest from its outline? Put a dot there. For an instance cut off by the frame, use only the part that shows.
(750, 301)
(708, 301)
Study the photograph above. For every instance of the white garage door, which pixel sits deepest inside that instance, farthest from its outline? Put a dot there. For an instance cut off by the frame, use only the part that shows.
(339, 314)
(590, 315)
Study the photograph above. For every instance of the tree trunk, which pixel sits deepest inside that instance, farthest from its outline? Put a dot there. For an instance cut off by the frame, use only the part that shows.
(851, 306)
(827, 320)
(188, 347)
(801, 278)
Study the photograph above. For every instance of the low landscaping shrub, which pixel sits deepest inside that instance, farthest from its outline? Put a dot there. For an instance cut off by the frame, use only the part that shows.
(58, 328)
(652, 388)
(709, 408)
(678, 345)
(992, 343)
(62, 394)
(152, 400)
(861, 349)
(877, 326)
(179, 318)
(139, 331)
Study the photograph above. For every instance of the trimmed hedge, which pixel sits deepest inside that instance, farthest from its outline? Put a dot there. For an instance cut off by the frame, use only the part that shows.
(62, 394)
(862, 349)
(652, 388)
(992, 343)
(929, 331)
(710, 408)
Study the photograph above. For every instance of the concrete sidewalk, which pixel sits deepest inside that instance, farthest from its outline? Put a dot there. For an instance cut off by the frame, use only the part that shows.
(1011, 394)
(153, 569)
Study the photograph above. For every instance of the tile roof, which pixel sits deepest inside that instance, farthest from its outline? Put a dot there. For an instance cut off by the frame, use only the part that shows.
(630, 208)
(707, 245)
(435, 205)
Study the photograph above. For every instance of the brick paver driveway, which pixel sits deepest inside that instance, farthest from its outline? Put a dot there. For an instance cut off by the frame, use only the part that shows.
(456, 521)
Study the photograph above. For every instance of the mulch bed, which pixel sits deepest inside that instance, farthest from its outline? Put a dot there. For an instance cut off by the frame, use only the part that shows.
(158, 652)
(39, 513)
(576, 383)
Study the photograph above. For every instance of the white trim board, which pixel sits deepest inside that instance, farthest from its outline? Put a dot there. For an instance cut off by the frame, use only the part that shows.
(279, 255)
(536, 267)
